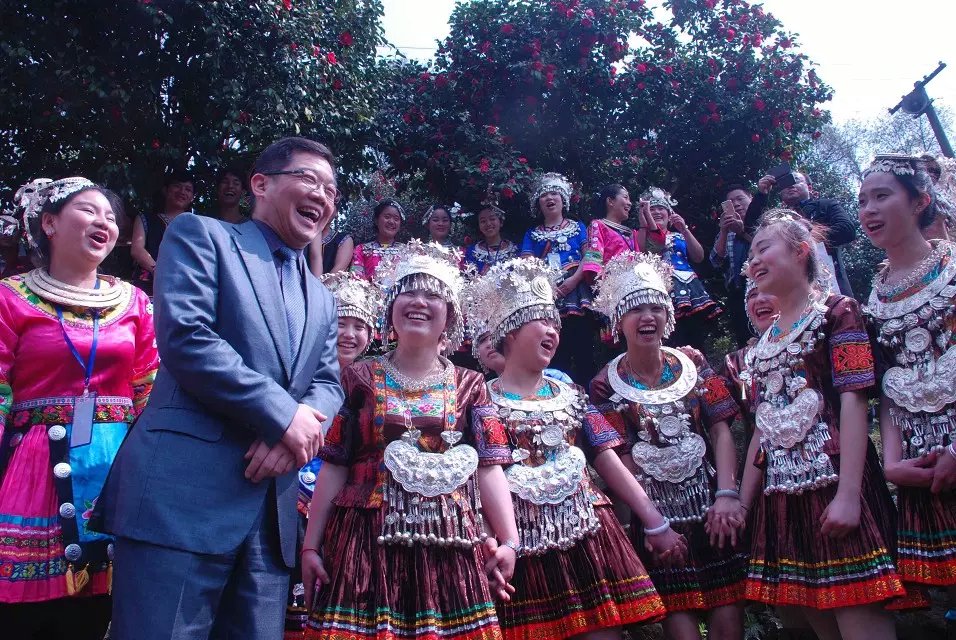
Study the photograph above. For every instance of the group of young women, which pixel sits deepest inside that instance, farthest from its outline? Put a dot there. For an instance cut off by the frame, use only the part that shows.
(447, 504)
(451, 506)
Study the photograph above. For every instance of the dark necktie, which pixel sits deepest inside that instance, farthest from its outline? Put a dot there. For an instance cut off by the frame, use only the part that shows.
(292, 296)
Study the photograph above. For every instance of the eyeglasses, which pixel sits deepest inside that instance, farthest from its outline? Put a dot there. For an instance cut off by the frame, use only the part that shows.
(311, 181)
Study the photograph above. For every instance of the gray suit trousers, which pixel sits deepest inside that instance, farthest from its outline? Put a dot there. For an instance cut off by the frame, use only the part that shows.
(234, 596)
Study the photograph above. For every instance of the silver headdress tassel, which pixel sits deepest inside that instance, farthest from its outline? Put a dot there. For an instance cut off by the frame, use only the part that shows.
(631, 279)
(552, 183)
(657, 197)
(895, 163)
(32, 196)
(511, 294)
(429, 267)
(356, 296)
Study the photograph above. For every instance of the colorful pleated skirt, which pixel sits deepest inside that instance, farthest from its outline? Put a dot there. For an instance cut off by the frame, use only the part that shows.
(712, 577)
(926, 537)
(599, 583)
(392, 592)
(793, 563)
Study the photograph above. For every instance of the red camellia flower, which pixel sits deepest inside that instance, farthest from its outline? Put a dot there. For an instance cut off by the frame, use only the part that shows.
(287, 4)
(712, 106)
(243, 117)
(507, 193)
(523, 160)
(441, 80)
(641, 67)
(492, 129)
(330, 56)
(786, 43)
(759, 104)
(586, 23)
(569, 14)
(641, 86)
(346, 39)
(668, 69)
(731, 34)
(632, 145)
(507, 29)
(757, 40)
(634, 6)
(337, 84)
(532, 119)
(484, 166)
(155, 143)
(316, 51)
(816, 135)
(294, 47)
(755, 137)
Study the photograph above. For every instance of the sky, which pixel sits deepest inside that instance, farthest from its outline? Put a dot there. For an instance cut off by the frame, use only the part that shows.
(869, 51)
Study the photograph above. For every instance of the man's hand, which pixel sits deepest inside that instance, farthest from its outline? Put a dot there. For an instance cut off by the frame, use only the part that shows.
(303, 436)
(766, 184)
(268, 462)
(732, 222)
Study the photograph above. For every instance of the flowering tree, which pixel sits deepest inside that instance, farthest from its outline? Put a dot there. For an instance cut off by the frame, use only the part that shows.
(120, 91)
(690, 95)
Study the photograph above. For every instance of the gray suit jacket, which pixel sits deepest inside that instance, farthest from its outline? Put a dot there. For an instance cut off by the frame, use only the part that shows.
(226, 378)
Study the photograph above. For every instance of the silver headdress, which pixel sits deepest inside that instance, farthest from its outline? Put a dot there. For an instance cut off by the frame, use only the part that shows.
(511, 294)
(659, 198)
(631, 279)
(430, 267)
(552, 183)
(392, 202)
(896, 163)
(32, 196)
(356, 296)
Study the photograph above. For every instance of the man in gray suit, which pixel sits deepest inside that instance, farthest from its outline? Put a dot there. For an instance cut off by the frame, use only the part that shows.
(202, 493)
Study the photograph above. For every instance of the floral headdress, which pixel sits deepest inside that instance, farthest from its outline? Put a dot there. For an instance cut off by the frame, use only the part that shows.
(657, 197)
(552, 183)
(631, 279)
(34, 195)
(429, 267)
(509, 295)
(356, 297)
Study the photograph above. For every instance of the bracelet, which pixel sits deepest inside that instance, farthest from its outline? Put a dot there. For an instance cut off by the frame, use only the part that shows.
(304, 549)
(659, 529)
(512, 544)
(727, 493)
(951, 450)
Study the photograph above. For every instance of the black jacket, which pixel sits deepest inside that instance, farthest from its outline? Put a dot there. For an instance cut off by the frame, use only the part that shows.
(841, 228)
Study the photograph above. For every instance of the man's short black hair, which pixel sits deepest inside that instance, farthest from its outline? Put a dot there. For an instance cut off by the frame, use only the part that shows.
(232, 170)
(276, 156)
(176, 176)
(736, 186)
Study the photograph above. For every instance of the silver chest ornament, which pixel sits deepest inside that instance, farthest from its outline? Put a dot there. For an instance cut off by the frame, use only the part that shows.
(420, 507)
(792, 435)
(674, 470)
(914, 329)
(552, 508)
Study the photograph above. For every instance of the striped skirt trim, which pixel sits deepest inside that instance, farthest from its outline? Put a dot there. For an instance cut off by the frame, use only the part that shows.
(926, 538)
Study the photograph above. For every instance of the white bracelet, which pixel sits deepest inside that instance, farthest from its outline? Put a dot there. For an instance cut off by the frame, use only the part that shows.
(512, 544)
(727, 493)
(659, 529)
(951, 449)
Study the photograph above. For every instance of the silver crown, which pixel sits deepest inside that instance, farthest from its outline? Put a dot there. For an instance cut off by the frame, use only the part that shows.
(552, 183)
(895, 163)
(32, 196)
(631, 279)
(356, 297)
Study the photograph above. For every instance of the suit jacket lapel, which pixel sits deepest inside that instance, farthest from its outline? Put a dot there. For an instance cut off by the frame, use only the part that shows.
(265, 282)
(311, 332)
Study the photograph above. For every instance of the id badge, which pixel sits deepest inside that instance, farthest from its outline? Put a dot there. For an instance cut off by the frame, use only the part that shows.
(554, 260)
(83, 409)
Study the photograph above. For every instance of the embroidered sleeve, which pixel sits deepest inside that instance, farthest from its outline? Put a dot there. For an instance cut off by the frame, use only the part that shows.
(527, 245)
(599, 433)
(9, 338)
(851, 356)
(341, 440)
(491, 436)
(600, 397)
(146, 358)
(594, 250)
(718, 403)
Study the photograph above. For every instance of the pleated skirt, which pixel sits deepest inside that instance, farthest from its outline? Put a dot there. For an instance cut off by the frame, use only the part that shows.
(393, 592)
(926, 537)
(793, 563)
(599, 583)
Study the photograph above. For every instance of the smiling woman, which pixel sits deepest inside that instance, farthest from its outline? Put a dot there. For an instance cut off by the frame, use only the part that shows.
(397, 503)
(83, 352)
(148, 228)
